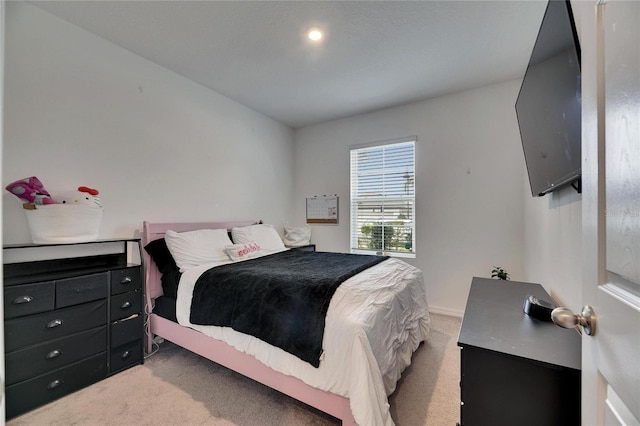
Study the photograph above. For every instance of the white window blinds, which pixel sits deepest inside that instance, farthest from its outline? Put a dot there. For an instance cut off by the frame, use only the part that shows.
(383, 198)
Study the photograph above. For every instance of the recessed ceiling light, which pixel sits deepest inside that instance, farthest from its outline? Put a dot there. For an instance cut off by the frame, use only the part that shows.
(315, 34)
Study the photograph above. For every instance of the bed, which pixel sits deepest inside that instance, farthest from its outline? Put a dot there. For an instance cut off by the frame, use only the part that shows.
(375, 320)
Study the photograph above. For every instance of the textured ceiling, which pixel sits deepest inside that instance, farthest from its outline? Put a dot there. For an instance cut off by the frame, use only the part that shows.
(375, 55)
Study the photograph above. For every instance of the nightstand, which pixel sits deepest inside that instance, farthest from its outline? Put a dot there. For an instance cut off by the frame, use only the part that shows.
(515, 369)
(308, 247)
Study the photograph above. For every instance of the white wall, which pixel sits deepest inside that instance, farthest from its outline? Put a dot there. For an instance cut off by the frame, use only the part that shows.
(553, 245)
(82, 111)
(469, 184)
(2, 31)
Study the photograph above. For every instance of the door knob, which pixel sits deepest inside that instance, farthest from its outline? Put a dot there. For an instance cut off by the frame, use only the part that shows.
(565, 318)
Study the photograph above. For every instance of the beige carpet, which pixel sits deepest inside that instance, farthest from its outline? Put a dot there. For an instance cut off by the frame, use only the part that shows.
(177, 387)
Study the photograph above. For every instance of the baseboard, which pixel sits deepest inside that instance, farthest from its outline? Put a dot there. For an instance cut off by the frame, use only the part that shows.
(446, 311)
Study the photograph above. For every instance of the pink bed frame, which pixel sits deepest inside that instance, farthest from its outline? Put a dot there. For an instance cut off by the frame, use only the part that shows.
(218, 351)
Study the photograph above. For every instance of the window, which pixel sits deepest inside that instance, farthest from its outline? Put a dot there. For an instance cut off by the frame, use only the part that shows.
(383, 198)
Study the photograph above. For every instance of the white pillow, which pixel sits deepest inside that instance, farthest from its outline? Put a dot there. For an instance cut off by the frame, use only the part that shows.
(243, 251)
(264, 235)
(194, 248)
(296, 236)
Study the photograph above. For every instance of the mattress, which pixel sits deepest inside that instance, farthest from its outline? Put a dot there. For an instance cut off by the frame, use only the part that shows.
(374, 323)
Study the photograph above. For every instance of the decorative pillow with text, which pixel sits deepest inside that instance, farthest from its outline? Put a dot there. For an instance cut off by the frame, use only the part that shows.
(243, 251)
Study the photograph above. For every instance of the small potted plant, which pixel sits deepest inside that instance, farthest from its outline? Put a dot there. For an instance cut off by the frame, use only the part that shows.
(499, 273)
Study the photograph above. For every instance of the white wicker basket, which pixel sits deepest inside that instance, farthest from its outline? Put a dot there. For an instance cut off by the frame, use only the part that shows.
(64, 223)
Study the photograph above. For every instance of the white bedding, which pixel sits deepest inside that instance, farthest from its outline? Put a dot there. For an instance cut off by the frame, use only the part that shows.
(375, 321)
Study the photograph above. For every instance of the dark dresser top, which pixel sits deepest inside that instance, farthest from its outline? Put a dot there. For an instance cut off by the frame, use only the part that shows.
(494, 320)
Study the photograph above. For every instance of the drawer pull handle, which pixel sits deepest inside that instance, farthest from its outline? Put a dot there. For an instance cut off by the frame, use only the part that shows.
(125, 305)
(55, 384)
(55, 323)
(22, 299)
(126, 280)
(54, 354)
(125, 355)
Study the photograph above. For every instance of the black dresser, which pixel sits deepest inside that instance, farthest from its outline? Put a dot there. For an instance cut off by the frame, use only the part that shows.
(515, 369)
(73, 315)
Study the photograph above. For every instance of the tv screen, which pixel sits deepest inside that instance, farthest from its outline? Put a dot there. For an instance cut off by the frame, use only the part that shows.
(549, 104)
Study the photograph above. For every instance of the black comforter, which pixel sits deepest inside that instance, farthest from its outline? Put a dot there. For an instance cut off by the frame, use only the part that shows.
(281, 298)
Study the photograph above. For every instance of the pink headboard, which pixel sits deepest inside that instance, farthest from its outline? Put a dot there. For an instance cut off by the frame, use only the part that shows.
(155, 231)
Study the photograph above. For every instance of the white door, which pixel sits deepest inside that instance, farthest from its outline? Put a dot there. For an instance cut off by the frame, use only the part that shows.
(611, 210)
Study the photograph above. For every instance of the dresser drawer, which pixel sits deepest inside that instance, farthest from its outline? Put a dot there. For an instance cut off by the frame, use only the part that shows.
(40, 390)
(77, 290)
(125, 356)
(35, 360)
(128, 279)
(39, 328)
(126, 304)
(126, 330)
(27, 299)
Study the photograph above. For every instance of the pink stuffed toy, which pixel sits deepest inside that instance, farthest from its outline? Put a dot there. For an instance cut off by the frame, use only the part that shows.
(30, 190)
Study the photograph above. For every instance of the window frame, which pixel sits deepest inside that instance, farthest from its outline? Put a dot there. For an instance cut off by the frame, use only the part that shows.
(355, 220)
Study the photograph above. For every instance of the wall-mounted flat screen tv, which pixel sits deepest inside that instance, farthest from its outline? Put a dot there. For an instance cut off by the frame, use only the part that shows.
(549, 104)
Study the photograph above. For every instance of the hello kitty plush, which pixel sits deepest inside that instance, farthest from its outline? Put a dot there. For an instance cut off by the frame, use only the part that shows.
(83, 195)
(30, 190)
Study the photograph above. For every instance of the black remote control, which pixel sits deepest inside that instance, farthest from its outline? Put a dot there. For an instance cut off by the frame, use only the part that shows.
(537, 308)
